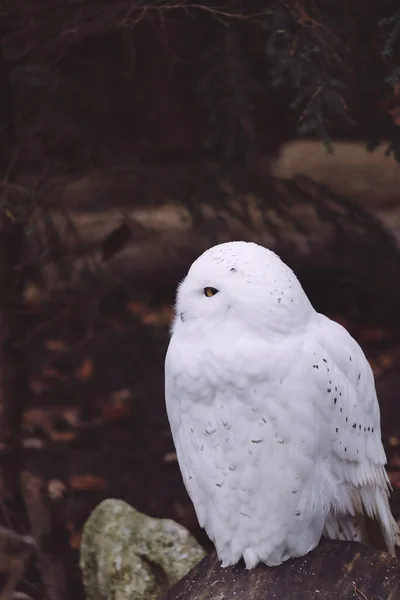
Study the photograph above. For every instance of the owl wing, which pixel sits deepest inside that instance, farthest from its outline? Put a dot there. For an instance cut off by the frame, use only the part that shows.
(348, 399)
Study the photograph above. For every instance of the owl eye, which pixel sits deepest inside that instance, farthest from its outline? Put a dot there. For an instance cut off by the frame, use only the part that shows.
(210, 291)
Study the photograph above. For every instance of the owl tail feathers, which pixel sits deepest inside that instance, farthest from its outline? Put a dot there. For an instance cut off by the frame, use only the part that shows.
(372, 523)
(346, 527)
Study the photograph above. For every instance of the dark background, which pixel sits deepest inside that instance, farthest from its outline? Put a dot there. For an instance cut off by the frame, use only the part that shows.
(133, 136)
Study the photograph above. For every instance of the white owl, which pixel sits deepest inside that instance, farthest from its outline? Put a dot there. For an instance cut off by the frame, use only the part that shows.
(273, 412)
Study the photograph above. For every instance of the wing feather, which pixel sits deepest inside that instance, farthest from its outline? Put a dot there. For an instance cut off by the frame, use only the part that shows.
(358, 456)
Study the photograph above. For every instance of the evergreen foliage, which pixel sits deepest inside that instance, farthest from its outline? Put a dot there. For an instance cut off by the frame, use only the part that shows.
(312, 67)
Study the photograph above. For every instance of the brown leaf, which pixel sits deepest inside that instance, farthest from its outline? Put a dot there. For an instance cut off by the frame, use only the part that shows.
(385, 360)
(75, 539)
(136, 308)
(32, 294)
(170, 457)
(394, 441)
(85, 370)
(75, 536)
(33, 443)
(56, 345)
(56, 489)
(119, 405)
(160, 317)
(87, 482)
(148, 316)
(63, 436)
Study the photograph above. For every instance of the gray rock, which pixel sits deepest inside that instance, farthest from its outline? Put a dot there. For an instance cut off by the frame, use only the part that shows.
(126, 555)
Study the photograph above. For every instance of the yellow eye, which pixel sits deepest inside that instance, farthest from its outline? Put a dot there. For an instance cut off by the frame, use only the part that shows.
(210, 291)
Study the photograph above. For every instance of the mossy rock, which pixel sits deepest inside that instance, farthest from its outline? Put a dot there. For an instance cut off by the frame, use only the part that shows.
(126, 555)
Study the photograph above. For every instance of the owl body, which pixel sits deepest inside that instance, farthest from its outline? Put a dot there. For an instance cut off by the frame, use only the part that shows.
(274, 414)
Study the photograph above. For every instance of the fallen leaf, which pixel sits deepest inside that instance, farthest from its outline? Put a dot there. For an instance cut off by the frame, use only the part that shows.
(56, 346)
(87, 483)
(85, 370)
(119, 405)
(385, 360)
(148, 316)
(136, 308)
(393, 441)
(44, 418)
(33, 443)
(32, 294)
(170, 457)
(56, 489)
(160, 317)
(63, 437)
(75, 539)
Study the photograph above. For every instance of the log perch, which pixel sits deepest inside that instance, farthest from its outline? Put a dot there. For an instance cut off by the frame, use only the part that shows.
(335, 570)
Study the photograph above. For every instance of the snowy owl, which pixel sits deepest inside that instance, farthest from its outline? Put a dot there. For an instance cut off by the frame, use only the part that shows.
(273, 412)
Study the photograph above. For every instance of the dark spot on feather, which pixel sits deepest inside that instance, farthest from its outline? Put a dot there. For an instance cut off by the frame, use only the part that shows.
(298, 513)
(359, 376)
(256, 441)
(315, 367)
(354, 425)
(324, 359)
(328, 390)
(334, 400)
(337, 429)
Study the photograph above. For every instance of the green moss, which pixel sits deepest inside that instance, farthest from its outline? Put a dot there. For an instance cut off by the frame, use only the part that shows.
(126, 555)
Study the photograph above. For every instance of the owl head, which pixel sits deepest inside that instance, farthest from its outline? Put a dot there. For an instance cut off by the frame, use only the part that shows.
(240, 283)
